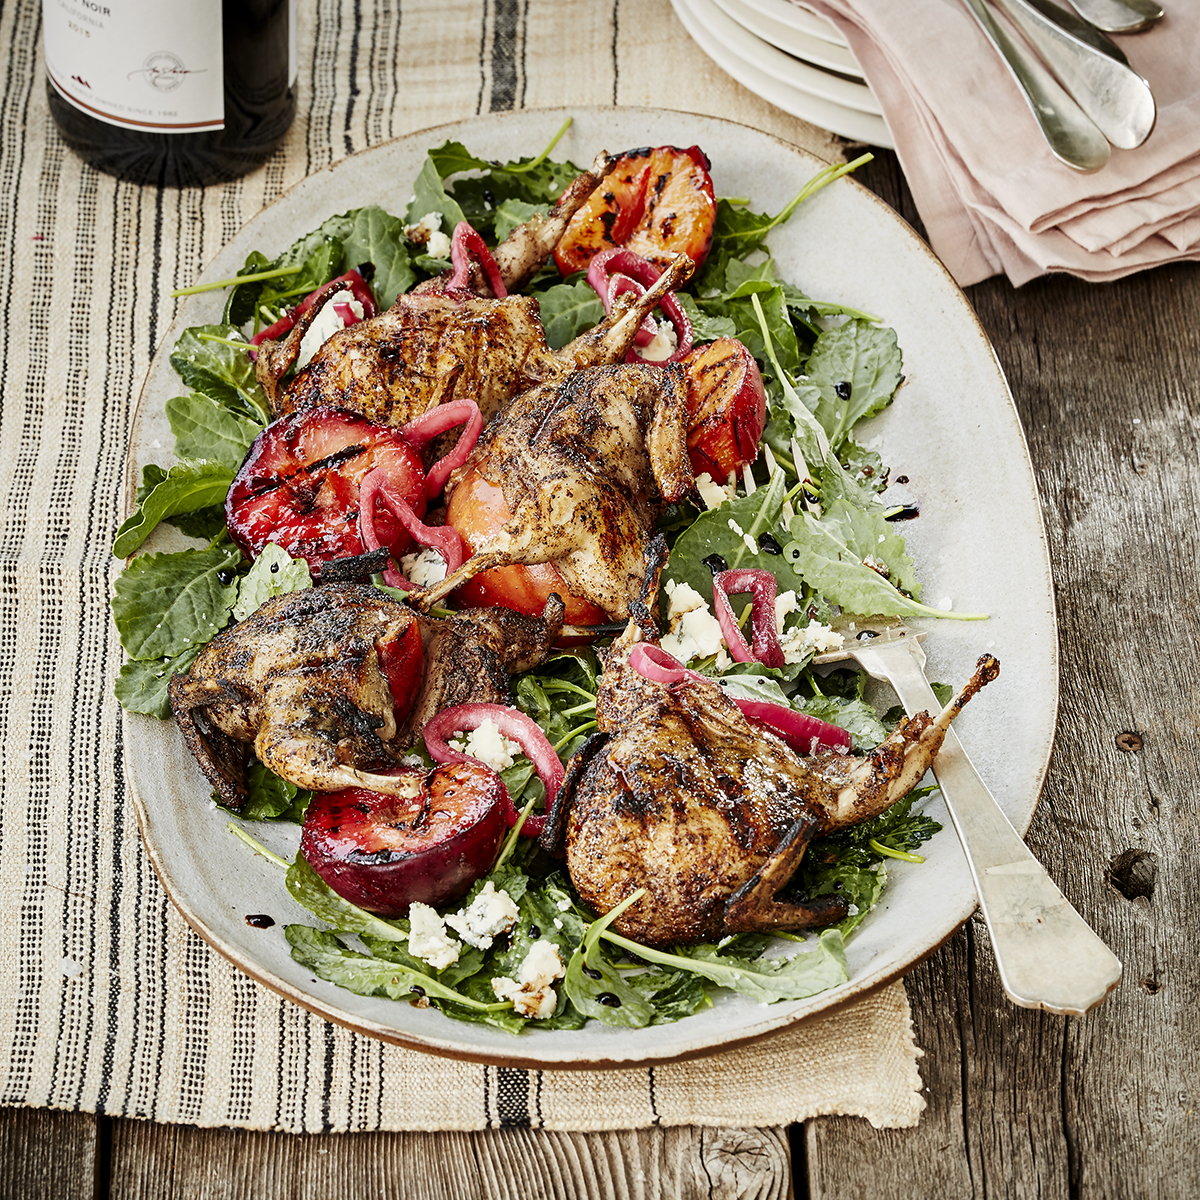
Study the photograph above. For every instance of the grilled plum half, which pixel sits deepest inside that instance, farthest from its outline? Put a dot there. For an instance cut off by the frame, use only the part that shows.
(384, 852)
(298, 486)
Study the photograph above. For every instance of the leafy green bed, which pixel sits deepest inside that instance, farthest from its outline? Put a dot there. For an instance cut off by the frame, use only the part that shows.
(812, 515)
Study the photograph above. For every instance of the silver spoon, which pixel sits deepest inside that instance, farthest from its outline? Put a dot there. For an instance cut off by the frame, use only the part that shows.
(1119, 16)
(1092, 69)
(1073, 138)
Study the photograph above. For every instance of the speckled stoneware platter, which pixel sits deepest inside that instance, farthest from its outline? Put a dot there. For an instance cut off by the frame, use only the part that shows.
(978, 544)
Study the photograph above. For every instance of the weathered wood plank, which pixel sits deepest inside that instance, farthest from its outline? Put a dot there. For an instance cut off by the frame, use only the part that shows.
(1107, 380)
(48, 1155)
(155, 1162)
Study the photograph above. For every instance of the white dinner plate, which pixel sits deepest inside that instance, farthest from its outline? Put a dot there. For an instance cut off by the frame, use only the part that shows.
(978, 544)
(811, 49)
(786, 13)
(787, 84)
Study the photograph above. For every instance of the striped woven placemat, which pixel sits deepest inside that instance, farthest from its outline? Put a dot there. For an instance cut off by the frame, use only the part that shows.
(109, 1003)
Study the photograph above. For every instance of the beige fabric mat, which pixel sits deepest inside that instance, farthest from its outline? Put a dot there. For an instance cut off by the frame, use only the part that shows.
(108, 1002)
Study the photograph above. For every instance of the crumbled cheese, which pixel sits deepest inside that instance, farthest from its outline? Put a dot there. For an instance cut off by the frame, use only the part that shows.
(947, 604)
(800, 642)
(424, 567)
(412, 760)
(427, 937)
(438, 245)
(712, 493)
(665, 343)
(564, 906)
(325, 324)
(490, 914)
(692, 630)
(488, 745)
(532, 992)
(427, 232)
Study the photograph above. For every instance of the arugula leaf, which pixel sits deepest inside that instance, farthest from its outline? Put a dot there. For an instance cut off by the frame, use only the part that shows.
(186, 487)
(567, 309)
(451, 158)
(272, 798)
(330, 959)
(821, 556)
(141, 686)
(707, 325)
(206, 429)
(164, 604)
(430, 196)
(513, 212)
(377, 237)
(712, 533)
(874, 540)
(765, 979)
(274, 573)
(856, 368)
(208, 363)
(855, 716)
(308, 889)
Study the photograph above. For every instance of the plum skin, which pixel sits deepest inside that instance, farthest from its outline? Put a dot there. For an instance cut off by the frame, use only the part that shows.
(381, 854)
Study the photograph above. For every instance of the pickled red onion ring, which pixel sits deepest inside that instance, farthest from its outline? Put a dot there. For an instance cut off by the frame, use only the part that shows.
(514, 725)
(611, 265)
(762, 586)
(466, 246)
(437, 420)
(376, 488)
(803, 733)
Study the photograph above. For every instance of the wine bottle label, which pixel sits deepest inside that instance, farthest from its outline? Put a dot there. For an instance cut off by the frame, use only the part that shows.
(142, 64)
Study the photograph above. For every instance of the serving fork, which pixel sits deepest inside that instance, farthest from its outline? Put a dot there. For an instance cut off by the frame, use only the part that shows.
(1047, 955)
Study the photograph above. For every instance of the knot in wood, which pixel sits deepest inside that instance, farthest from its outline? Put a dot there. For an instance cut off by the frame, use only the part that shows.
(1133, 874)
(1129, 742)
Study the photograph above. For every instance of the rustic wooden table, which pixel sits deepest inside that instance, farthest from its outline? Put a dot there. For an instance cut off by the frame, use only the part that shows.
(1021, 1104)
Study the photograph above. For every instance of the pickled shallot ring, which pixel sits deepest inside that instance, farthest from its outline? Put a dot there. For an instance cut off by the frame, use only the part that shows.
(654, 663)
(805, 734)
(466, 246)
(351, 281)
(437, 420)
(515, 726)
(376, 488)
(764, 628)
(802, 732)
(611, 264)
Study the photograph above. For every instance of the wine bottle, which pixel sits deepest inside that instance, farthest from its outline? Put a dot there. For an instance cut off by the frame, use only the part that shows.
(171, 92)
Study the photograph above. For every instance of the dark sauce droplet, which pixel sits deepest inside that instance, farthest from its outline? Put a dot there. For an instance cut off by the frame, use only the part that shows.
(907, 513)
(274, 568)
(259, 920)
(417, 990)
(590, 973)
(768, 543)
(902, 479)
(609, 1000)
(843, 389)
(867, 634)
(715, 563)
(225, 578)
(534, 932)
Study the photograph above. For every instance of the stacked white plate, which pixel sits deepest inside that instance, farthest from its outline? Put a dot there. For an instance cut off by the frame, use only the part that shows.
(791, 58)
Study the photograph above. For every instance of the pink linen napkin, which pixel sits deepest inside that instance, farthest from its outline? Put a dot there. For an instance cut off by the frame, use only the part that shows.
(992, 196)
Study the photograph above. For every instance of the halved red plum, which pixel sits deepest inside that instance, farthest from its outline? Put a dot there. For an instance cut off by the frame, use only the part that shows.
(298, 486)
(727, 407)
(384, 852)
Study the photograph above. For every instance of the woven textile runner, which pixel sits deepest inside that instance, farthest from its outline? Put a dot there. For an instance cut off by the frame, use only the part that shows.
(108, 1002)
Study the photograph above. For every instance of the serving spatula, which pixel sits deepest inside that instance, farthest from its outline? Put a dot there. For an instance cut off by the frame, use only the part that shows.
(1047, 954)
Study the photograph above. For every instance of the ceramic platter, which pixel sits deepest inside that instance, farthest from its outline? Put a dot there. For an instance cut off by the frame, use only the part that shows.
(978, 544)
(787, 65)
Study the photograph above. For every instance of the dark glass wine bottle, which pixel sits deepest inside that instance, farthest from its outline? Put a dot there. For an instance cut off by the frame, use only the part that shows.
(171, 92)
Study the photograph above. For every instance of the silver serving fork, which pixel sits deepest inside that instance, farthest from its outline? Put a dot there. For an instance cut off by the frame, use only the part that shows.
(1047, 954)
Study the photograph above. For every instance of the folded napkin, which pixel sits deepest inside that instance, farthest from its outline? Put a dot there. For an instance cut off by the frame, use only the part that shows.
(992, 196)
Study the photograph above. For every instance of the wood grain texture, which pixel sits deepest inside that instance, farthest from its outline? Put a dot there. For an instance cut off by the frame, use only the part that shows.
(48, 1155)
(1025, 1104)
(160, 1162)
